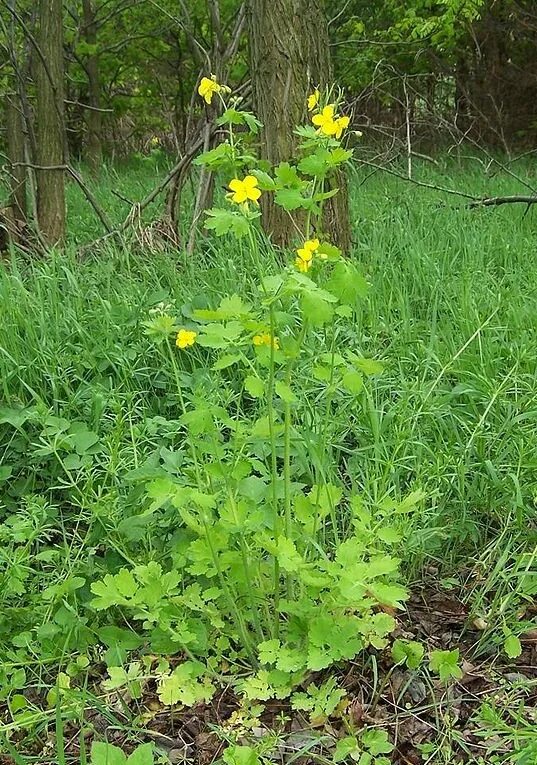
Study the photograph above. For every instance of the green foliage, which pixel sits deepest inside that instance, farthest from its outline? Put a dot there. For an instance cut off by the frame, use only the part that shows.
(107, 754)
(366, 749)
(320, 702)
(408, 652)
(429, 416)
(446, 664)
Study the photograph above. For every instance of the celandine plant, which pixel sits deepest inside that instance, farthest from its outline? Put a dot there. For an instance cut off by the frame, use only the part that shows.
(271, 570)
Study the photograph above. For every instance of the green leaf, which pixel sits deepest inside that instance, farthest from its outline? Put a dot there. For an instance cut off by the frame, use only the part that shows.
(408, 652)
(266, 183)
(512, 646)
(106, 754)
(225, 221)
(183, 685)
(389, 534)
(353, 382)
(84, 440)
(368, 366)
(142, 755)
(389, 594)
(269, 651)
(409, 502)
(339, 155)
(287, 175)
(227, 360)
(220, 156)
(316, 165)
(446, 664)
(253, 123)
(376, 741)
(291, 660)
(347, 747)
(240, 755)
(347, 284)
(292, 199)
(15, 417)
(219, 335)
(5, 472)
(288, 556)
(254, 386)
(114, 590)
(316, 310)
(329, 250)
(283, 390)
(231, 117)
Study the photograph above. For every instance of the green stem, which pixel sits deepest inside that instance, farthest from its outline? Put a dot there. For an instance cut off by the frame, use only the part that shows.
(287, 475)
(183, 410)
(272, 437)
(231, 599)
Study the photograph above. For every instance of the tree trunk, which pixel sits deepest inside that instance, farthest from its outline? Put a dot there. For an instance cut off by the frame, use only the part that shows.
(94, 152)
(15, 150)
(50, 123)
(289, 56)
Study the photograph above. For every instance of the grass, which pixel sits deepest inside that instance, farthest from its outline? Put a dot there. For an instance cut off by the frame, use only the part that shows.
(452, 314)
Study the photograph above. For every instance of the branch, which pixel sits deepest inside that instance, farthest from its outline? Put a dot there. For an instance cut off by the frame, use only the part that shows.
(494, 201)
(433, 186)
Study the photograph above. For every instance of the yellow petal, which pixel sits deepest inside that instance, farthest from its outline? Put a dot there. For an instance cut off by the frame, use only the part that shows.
(205, 85)
(312, 245)
(313, 100)
(235, 184)
(240, 196)
(253, 194)
(250, 181)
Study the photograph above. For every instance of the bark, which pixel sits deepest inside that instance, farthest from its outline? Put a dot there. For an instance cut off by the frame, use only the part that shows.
(289, 56)
(50, 123)
(94, 153)
(16, 154)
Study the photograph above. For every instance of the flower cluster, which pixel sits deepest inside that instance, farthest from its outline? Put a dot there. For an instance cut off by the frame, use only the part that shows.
(304, 258)
(329, 123)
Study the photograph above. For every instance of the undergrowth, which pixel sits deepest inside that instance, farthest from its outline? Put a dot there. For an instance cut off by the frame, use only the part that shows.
(423, 452)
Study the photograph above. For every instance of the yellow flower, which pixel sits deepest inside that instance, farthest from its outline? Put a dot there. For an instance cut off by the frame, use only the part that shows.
(208, 87)
(304, 258)
(266, 339)
(328, 123)
(306, 251)
(185, 338)
(325, 120)
(303, 265)
(313, 100)
(245, 189)
(342, 124)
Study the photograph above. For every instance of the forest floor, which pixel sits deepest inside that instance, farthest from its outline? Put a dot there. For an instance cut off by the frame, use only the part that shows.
(452, 312)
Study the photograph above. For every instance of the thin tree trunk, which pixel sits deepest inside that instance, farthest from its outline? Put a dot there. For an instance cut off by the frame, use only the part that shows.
(289, 56)
(94, 152)
(15, 149)
(50, 123)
